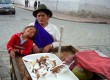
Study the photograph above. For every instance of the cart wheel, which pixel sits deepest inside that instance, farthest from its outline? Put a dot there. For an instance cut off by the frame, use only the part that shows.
(12, 75)
(11, 72)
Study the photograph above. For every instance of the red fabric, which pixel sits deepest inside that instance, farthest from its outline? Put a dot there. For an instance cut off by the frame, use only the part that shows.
(14, 43)
(91, 61)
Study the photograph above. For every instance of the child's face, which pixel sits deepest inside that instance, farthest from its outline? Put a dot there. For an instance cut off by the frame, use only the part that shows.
(30, 32)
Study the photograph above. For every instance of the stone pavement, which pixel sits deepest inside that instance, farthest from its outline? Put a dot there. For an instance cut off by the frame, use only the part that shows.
(103, 49)
(70, 17)
(4, 66)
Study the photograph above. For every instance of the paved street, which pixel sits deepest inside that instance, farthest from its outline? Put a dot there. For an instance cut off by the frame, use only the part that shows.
(83, 36)
(4, 66)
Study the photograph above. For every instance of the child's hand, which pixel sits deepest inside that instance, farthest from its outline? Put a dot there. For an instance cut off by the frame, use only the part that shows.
(12, 53)
(47, 48)
(16, 50)
(35, 49)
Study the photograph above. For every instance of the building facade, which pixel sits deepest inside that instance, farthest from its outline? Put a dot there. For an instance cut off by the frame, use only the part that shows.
(81, 8)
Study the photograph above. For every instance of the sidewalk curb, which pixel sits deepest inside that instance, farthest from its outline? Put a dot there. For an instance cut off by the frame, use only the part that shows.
(81, 21)
(57, 16)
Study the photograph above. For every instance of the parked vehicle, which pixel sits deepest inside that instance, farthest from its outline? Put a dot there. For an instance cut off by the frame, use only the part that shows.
(6, 6)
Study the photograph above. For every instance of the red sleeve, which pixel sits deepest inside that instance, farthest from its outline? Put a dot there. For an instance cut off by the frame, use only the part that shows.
(28, 48)
(10, 43)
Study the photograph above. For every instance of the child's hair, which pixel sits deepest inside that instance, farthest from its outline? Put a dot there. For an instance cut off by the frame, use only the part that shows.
(29, 27)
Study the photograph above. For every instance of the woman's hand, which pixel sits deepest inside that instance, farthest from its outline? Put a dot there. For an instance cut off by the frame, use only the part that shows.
(12, 53)
(35, 49)
(47, 48)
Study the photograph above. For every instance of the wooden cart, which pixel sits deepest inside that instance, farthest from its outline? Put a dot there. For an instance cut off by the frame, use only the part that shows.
(19, 71)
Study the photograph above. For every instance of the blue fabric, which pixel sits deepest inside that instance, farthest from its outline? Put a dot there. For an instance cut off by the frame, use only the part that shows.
(42, 37)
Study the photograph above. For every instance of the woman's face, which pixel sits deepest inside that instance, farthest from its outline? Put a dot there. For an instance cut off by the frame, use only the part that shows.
(42, 18)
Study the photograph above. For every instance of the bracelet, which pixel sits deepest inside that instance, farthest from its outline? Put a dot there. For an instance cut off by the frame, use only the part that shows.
(51, 46)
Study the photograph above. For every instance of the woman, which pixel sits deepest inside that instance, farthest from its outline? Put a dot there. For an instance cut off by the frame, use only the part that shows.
(48, 34)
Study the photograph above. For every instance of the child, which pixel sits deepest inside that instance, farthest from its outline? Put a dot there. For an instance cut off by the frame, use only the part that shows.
(21, 43)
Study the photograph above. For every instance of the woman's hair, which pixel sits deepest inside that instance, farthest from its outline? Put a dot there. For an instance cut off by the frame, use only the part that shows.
(29, 27)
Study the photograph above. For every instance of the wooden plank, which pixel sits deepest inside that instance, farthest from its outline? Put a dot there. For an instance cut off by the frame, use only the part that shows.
(22, 69)
(16, 71)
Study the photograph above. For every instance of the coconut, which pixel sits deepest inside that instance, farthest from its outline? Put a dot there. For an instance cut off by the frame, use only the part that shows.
(82, 74)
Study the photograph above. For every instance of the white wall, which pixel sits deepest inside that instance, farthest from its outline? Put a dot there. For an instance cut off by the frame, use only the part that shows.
(83, 8)
(93, 8)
